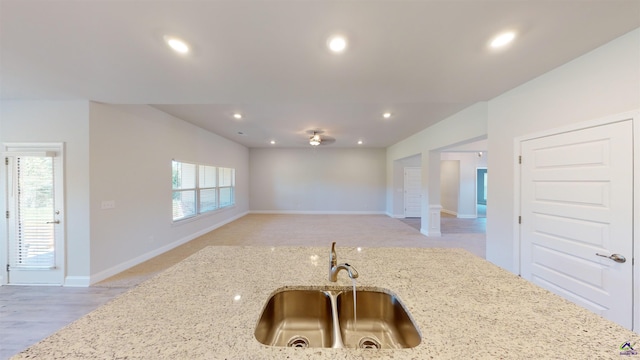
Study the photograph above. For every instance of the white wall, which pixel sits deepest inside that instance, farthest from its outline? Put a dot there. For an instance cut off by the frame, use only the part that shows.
(449, 186)
(57, 121)
(131, 151)
(603, 82)
(321, 180)
(120, 153)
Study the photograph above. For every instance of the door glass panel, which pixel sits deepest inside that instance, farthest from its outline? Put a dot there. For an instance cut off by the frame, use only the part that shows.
(34, 245)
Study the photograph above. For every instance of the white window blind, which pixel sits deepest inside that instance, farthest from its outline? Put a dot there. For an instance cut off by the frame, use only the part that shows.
(34, 246)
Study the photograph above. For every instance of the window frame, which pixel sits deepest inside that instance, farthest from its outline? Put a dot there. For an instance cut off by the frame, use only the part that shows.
(199, 188)
(174, 191)
(231, 187)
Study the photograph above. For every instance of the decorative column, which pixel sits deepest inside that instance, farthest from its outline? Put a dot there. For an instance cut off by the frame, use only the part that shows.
(434, 221)
(431, 207)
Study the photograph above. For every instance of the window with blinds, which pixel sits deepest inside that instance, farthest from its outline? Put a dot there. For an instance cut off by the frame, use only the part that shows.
(199, 189)
(207, 188)
(35, 242)
(227, 186)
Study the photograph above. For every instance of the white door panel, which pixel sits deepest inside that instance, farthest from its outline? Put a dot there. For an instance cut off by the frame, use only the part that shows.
(577, 201)
(412, 192)
(571, 230)
(569, 295)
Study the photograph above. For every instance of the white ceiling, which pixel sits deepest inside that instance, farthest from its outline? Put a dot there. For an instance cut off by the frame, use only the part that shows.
(420, 60)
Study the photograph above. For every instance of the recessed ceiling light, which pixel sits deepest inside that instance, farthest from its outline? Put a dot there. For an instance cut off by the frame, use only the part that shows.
(359, 142)
(503, 39)
(177, 45)
(273, 142)
(337, 43)
(386, 115)
(237, 116)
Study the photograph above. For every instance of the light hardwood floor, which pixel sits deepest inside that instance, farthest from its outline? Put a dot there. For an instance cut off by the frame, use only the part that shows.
(30, 313)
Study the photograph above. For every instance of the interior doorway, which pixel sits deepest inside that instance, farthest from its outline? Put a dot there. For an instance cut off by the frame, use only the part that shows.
(463, 191)
(481, 192)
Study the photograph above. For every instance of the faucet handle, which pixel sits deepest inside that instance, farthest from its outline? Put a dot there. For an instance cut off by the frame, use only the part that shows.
(333, 258)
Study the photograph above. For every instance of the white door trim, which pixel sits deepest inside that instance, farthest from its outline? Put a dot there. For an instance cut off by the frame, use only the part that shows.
(476, 185)
(634, 116)
(9, 149)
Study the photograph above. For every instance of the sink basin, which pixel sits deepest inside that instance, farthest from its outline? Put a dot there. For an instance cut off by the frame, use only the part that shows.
(381, 321)
(296, 318)
(325, 318)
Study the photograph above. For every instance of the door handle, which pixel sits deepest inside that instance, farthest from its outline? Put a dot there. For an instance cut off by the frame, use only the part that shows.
(615, 257)
(53, 222)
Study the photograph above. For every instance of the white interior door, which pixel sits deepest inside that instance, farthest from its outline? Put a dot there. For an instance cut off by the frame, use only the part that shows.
(576, 203)
(35, 217)
(412, 192)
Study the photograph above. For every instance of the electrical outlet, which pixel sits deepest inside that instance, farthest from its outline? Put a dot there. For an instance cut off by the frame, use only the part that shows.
(108, 204)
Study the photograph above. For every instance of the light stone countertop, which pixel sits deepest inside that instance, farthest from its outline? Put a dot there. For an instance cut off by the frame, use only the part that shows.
(464, 307)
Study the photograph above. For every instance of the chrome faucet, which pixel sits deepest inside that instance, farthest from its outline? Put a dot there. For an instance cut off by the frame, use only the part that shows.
(334, 267)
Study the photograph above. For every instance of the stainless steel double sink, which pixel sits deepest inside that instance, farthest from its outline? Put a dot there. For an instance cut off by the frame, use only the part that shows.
(322, 318)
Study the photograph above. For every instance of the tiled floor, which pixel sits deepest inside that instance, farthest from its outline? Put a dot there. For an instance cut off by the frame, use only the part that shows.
(29, 314)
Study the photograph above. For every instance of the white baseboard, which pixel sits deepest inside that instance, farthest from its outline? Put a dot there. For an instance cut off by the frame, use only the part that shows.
(77, 281)
(395, 216)
(151, 254)
(458, 215)
(293, 212)
(431, 234)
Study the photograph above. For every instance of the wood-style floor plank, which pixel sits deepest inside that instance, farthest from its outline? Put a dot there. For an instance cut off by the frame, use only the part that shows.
(28, 314)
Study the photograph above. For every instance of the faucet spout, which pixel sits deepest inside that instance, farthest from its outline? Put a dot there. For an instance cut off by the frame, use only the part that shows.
(334, 267)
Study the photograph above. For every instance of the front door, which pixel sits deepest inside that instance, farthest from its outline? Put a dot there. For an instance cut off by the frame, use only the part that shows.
(34, 218)
(576, 217)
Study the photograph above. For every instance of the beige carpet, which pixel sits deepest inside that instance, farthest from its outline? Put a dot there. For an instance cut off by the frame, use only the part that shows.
(302, 230)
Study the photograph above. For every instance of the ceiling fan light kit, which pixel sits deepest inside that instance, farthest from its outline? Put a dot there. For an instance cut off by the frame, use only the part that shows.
(315, 140)
(319, 138)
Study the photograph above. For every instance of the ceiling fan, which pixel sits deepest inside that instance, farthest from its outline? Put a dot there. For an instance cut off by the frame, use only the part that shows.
(317, 139)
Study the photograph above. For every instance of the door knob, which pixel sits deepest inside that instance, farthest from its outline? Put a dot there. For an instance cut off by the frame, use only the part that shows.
(615, 257)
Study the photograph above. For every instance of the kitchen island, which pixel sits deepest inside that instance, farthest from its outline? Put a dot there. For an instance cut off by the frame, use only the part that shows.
(207, 307)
